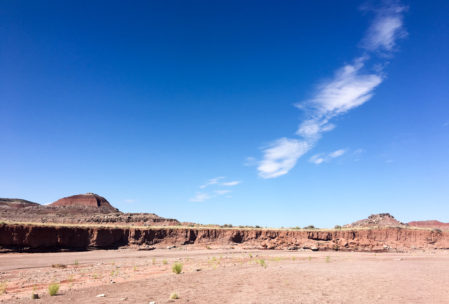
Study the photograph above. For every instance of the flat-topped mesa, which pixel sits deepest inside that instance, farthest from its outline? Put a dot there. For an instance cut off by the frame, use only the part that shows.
(88, 201)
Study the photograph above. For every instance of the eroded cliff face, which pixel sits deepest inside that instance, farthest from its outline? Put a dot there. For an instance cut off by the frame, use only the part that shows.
(38, 237)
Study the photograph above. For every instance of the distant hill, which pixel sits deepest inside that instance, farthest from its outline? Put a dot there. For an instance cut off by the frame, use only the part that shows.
(429, 224)
(89, 208)
(377, 220)
(16, 203)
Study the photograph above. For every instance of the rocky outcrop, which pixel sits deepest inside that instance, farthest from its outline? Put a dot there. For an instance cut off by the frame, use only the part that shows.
(42, 237)
(88, 200)
(377, 220)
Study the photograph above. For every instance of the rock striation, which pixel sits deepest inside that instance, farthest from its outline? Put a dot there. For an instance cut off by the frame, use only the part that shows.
(52, 237)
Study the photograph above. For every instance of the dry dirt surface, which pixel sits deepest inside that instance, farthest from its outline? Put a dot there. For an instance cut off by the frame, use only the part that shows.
(226, 276)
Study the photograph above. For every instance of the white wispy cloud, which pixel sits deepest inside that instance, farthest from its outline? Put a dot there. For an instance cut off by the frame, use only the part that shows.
(281, 156)
(386, 28)
(222, 192)
(217, 185)
(212, 181)
(200, 197)
(323, 157)
(231, 184)
(350, 87)
(337, 153)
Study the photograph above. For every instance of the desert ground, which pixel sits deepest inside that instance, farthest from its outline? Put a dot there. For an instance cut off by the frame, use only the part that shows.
(226, 275)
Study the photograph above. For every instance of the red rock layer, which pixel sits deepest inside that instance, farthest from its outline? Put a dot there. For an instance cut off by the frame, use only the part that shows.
(35, 237)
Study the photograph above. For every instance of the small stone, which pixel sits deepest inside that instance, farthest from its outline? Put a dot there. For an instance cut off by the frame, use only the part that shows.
(101, 295)
(152, 302)
(124, 299)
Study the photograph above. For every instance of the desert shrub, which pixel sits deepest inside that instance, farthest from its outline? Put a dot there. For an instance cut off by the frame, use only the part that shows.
(153, 261)
(165, 262)
(174, 296)
(257, 226)
(59, 266)
(437, 230)
(76, 263)
(328, 259)
(177, 268)
(53, 289)
(227, 226)
(262, 263)
(309, 227)
(337, 227)
(296, 228)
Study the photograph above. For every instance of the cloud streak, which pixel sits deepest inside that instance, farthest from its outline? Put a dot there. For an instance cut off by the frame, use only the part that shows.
(351, 86)
(320, 158)
(217, 185)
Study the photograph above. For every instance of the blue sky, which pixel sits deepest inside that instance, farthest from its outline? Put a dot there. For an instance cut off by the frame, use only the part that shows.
(240, 112)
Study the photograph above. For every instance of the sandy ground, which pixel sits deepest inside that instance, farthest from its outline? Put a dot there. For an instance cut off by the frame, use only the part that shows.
(225, 276)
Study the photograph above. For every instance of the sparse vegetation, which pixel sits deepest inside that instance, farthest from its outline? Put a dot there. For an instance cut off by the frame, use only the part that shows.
(153, 261)
(76, 263)
(262, 263)
(3, 286)
(309, 258)
(337, 227)
(174, 296)
(53, 289)
(59, 266)
(328, 259)
(227, 226)
(177, 268)
(165, 262)
(309, 227)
